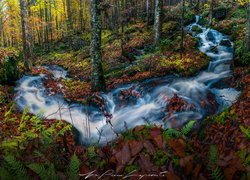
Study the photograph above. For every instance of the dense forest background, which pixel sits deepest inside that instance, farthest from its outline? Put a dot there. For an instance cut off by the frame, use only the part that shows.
(103, 45)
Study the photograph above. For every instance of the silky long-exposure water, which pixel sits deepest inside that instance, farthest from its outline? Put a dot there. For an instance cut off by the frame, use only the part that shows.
(150, 107)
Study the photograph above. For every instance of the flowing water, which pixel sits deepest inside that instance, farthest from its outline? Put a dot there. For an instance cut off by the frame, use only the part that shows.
(150, 107)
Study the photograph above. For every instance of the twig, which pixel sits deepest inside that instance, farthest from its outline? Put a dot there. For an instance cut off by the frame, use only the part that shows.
(100, 135)
(60, 107)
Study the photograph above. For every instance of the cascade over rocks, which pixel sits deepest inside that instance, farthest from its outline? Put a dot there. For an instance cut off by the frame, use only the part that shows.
(140, 103)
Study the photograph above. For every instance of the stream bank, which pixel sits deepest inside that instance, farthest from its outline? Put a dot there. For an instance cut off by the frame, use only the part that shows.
(152, 97)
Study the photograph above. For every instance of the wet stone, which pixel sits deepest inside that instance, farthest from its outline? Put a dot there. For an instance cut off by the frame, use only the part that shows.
(226, 42)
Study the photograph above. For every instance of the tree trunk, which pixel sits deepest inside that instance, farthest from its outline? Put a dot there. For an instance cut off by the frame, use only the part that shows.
(1, 30)
(46, 31)
(30, 31)
(147, 10)
(158, 20)
(26, 46)
(98, 82)
(182, 27)
(211, 12)
(69, 16)
(81, 16)
(198, 6)
(247, 43)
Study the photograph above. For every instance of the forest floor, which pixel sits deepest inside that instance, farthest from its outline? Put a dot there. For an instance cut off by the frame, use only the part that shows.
(218, 147)
(139, 60)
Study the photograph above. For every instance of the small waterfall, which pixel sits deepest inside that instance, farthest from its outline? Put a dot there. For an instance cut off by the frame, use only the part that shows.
(150, 106)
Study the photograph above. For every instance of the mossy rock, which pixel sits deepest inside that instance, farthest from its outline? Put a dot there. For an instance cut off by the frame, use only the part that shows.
(8, 70)
(226, 42)
(169, 26)
(196, 29)
(203, 22)
(220, 13)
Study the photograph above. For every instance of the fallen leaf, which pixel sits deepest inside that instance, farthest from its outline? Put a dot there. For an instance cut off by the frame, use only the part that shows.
(178, 145)
(149, 147)
(229, 173)
(156, 136)
(135, 147)
(172, 176)
(196, 170)
(123, 157)
(146, 164)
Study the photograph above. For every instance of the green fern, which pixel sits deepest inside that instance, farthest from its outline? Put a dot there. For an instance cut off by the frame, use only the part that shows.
(39, 169)
(44, 172)
(247, 161)
(9, 145)
(91, 152)
(244, 156)
(216, 174)
(7, 115)
(74, 168)
(25, 115)
(213, 155)
(64, 130)
(15, 167)
(51, 172)
(171, 133)
(5, 174)
(187, 128)
(215, 171)
(245, 131)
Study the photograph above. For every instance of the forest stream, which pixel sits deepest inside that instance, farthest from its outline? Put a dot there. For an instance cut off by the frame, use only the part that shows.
(205, 94)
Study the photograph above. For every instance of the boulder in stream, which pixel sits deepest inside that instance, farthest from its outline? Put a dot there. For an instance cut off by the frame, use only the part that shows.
(196, 29)
(210, 36)
(225, 42)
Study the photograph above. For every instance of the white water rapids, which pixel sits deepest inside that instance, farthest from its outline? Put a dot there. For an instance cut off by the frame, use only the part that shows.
(150, 107)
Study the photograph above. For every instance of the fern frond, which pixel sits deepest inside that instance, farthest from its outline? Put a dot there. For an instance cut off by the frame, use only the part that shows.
(91, 152)
(65, 129)
(213, 155)
(242, 154)
(187, 128)
(51, 171)
(9, 145)
(25, 115)
(8, 113)
(245, 131)
(215, 171)
(74, 168)
(216, 174)
(39, 169)
(4, 174)
(247, 161)
(16, 168)
(172, 133)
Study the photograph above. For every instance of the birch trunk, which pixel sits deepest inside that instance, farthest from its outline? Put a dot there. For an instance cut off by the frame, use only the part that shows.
(26, 46)
(98, 82)
(158, 20)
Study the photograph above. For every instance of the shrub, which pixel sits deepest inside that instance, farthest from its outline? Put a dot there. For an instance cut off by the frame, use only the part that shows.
(8, 67)
(160, 158)
(165, 44)
(242, 55)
